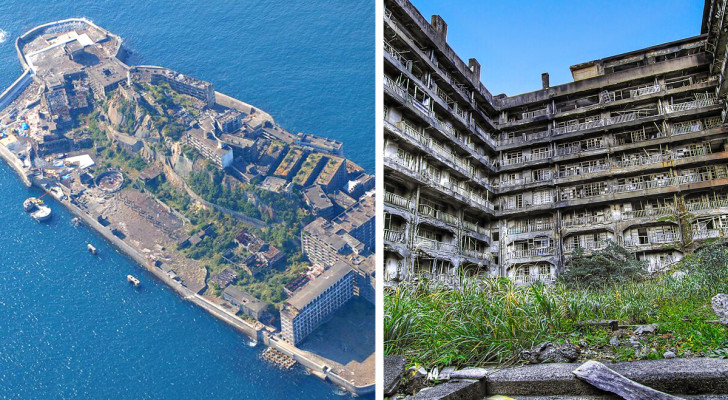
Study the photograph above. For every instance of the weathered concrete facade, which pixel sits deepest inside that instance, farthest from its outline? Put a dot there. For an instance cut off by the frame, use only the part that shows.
(634, 150)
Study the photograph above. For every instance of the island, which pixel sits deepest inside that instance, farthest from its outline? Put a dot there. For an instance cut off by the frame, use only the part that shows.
(270, 231)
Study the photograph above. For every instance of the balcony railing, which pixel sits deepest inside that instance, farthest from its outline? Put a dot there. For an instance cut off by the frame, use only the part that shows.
(437, 214)
(587, 246)
(704, 233)
(394, 236)
(704, 205)
(542, 155)
(653, 239)
(396, 200)
(413, 132)
(535, 113)
(531, 279)
(474, 227)
(709, 100)
(648, 212)
(526, 137)
(527, 253)
(587, 220)
(395, 54)
(545, 226)
(431, 244)
(475, 253)
(643, 91)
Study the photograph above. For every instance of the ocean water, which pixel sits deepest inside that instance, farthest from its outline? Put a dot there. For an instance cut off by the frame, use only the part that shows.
(70, 325)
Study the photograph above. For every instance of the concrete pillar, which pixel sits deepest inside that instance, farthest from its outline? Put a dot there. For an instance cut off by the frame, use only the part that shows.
(440, 26)
(545, 80)
(474, 66)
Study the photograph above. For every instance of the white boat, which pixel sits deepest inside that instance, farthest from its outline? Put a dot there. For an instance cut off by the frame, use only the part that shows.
(133, 280)
(42, 213)
(31, 203)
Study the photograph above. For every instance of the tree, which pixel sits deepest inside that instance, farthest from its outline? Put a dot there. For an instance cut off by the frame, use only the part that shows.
(611, 264)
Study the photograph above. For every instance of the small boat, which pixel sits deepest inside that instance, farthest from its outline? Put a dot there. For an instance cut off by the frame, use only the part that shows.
(91, 249)
(131, 279)
(31, 203)
(76, 221)
(42, 213)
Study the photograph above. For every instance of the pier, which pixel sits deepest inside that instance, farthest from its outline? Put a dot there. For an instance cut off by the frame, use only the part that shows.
(277, 358)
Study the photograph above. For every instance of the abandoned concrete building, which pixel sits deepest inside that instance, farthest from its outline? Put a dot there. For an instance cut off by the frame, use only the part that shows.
(633, 150)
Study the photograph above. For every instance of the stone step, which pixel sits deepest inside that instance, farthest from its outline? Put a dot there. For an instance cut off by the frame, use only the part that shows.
(608, 397)
(694, 376)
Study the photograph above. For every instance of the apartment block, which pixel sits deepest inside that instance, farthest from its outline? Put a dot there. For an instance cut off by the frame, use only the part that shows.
(307, 309)
(633, 150)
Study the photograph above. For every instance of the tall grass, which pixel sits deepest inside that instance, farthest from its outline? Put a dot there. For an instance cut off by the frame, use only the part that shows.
(493, 320)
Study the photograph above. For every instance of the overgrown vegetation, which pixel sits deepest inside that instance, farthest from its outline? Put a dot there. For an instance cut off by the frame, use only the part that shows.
(611, 264)
(493, 320)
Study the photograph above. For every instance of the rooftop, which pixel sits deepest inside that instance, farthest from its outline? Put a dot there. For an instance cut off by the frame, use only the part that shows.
(357, 215)
(245, 298)
(316, 198)
(316, 287)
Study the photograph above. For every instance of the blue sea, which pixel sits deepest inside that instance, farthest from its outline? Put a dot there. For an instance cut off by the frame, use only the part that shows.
(70, 325)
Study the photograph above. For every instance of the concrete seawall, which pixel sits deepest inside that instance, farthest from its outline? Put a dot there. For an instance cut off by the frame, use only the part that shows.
(14, 90)
(15, 163)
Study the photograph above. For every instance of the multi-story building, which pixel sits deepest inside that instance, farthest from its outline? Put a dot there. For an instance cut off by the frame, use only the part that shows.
(321, 297)
(184, 84)
(632, 150)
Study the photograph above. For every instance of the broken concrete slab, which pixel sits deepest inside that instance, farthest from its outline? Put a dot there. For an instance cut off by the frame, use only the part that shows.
(453, 390)
(471, 373)
(393, 372)
(599, 376)
(720, 307)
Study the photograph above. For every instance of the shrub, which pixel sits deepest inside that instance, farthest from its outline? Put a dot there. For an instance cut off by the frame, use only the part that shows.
(609, 265)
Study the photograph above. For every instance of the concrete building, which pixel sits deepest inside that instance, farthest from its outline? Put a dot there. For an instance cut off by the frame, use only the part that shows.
(358, 221)
(210, 147)
(633, 150)
(313, 305)
(247, 303)
(184, 84)
(106, 76)
(320, 204)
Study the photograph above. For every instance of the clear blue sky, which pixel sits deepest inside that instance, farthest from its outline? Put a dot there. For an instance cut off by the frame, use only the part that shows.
(515, 41)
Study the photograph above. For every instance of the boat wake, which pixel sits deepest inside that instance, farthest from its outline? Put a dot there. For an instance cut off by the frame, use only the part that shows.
(3, 36)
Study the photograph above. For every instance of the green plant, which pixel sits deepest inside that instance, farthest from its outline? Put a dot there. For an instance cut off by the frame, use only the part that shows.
(611, 264)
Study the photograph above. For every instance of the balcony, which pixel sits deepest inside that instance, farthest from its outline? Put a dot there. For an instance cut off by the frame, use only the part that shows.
(525, 280)
(394, 236)
(396, 200)
(431, 244)
(474, 253)
(648, 212)
(523, 138)
(588, 247)
(706, 101)
(587, 220)
(704, 233)
(396, 54)
(522, 159)
(431, 212)
(652, 239)
(474, 227)
(529, 253)
(545, 226)
(413, 132)
(706, 205)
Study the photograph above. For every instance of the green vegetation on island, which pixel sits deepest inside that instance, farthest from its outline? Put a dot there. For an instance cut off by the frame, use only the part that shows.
(494, 320)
